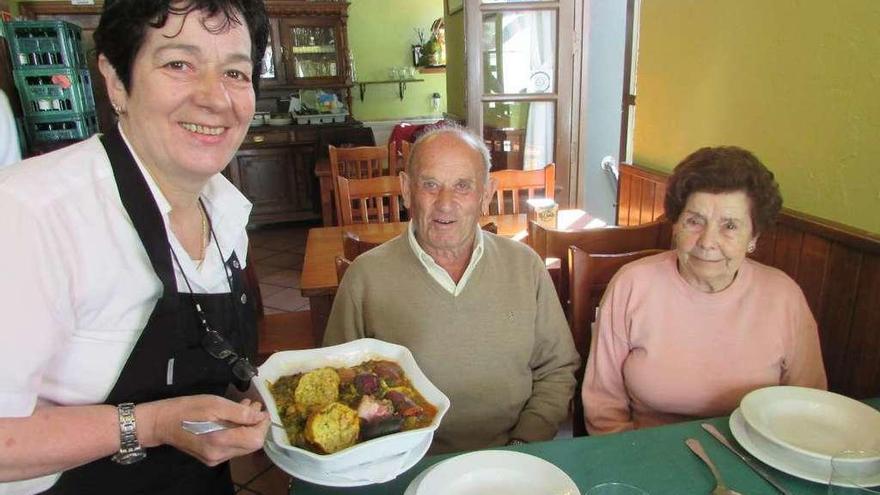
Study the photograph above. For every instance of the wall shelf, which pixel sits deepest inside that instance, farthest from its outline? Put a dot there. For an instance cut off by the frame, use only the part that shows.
(401, 85)
(434, 69)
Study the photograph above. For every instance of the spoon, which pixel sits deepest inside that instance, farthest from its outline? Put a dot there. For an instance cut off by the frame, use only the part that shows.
(720, 488)
(204, 427)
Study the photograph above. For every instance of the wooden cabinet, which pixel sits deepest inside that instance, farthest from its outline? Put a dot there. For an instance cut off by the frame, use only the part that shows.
(278, 180)
(275, 169)
(308, 48)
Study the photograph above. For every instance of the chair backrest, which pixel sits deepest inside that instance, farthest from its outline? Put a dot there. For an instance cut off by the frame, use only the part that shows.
(362, 162)
(378, 200)
(552, 243)
(513, 183)
(344, 137)
(342, 265)
(398, 155)
(353, 246)
(589, 275)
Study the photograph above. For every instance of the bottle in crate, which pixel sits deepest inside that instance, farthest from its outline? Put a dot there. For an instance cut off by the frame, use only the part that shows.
(44, 44)
(47, 91)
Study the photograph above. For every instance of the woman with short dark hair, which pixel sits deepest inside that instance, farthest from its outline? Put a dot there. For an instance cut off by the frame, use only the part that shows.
(687, 333)
(124, 307)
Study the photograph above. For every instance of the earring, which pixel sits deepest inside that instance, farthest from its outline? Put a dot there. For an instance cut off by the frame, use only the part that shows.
(751, 248)
(116, 108)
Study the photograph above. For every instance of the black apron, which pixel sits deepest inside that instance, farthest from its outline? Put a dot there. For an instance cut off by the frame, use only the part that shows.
(172, 332)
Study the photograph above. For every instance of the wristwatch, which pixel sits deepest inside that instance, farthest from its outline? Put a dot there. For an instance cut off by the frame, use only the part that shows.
(130, 450)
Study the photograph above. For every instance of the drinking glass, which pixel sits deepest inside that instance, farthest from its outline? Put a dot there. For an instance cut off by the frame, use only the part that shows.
(615, 488)
(855, 468)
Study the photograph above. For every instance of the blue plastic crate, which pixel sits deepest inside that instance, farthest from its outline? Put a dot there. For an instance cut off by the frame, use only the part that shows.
(47, 91)
(45, 44)
(63, 126)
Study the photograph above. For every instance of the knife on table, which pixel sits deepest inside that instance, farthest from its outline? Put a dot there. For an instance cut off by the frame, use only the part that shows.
(749, 462)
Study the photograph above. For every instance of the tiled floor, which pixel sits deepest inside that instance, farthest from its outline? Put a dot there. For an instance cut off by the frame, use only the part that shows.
(277, 253)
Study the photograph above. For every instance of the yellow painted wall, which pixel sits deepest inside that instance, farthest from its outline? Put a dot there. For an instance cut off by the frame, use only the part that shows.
(794, 81)
(380, 34)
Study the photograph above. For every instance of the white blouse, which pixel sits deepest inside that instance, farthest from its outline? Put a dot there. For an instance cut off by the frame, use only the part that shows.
(76, 285)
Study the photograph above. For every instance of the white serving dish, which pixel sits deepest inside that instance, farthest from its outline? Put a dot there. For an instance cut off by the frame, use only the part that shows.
(806, 467)
(814, 423)
(342, 479)
(373, 461)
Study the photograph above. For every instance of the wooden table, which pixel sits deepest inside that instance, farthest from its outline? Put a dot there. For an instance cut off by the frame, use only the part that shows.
(318, 280)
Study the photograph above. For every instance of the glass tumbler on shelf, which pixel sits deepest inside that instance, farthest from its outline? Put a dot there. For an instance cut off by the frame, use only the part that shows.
(855, 472)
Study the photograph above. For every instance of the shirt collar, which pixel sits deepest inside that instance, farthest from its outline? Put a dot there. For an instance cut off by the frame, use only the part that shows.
(223, 201)
(436, 271)
(227, 207)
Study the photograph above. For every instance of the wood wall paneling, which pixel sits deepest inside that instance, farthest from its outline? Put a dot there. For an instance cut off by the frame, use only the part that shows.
(861, 366)
(837, 267)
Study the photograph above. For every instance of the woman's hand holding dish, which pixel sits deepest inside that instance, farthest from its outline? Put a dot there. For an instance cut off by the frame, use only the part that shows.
(163, 419)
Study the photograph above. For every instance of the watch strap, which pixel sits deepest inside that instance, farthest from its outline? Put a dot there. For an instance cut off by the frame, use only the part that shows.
(130, 449)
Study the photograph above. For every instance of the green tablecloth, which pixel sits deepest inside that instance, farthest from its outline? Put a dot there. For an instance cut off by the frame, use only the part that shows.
(655, 459)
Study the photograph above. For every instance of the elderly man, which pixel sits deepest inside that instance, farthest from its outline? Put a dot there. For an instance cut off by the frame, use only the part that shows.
(478, 311)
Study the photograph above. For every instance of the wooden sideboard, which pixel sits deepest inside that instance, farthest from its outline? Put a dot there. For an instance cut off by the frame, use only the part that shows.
(837, 267)
(275, 170)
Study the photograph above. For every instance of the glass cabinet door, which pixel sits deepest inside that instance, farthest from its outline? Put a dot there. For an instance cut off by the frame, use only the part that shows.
(311, 49)
(272, 73)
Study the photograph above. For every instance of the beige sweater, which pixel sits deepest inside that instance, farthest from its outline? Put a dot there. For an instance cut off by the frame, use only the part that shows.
(501, 350)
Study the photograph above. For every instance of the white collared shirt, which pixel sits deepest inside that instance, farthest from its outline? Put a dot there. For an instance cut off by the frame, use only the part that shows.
(436, 271)
(77, 287)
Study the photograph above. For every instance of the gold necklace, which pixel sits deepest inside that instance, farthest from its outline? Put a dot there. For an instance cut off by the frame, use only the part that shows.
(205, 239)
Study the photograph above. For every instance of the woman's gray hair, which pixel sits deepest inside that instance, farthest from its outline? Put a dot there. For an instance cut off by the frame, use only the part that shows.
(462, 133)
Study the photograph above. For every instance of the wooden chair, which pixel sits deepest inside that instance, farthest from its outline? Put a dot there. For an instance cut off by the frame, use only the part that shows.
(588, 277)
(398, 155)
(340, 137)
(342, 265)
(280, 331)
(517, 182)
(552, 244)
(353, 246)
(378, 200)
(362, 162)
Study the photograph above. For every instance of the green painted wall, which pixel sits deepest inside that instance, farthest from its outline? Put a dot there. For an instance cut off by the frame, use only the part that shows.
(794, 81)
(380, 34)
(456, 68)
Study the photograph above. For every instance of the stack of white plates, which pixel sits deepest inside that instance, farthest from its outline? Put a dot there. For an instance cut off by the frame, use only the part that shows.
(493, 471)
(798, 430)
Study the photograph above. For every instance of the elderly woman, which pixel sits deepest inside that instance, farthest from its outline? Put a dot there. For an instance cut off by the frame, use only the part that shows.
(687, 333)
(124, 309)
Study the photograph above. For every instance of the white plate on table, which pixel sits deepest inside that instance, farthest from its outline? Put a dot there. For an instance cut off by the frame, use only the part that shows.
(784, 459)
(494, 471)
(813, 422)
(289, 466)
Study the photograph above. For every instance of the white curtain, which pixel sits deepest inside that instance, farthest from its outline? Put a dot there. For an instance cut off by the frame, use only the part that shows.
(540, 127)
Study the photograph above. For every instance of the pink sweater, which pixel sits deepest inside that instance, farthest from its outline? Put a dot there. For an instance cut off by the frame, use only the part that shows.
(664, 352)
